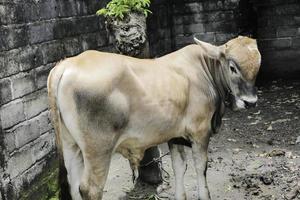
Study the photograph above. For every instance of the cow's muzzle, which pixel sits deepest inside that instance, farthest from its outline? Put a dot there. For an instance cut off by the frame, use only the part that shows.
(249, 102)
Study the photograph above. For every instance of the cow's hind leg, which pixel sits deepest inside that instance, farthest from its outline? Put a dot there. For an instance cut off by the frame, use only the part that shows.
(179, 164)
(73, 164)
(96, 156)
(199, 150)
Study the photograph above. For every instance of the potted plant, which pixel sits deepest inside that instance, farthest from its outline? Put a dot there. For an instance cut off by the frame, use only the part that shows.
(126, 21)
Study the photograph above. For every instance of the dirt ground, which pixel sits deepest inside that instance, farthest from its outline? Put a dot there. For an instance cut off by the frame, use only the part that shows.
(256, 155)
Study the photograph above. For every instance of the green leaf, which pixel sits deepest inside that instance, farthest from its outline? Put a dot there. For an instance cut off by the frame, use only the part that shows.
(102, 11)
(119, 8)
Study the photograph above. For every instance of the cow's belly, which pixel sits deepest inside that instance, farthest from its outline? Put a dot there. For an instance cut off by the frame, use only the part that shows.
(146, 130)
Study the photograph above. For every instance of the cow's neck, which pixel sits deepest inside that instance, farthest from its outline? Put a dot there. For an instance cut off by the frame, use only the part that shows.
(193, 60)
(215, 73)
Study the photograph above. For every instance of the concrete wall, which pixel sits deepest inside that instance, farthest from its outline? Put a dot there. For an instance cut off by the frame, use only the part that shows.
(34, 35)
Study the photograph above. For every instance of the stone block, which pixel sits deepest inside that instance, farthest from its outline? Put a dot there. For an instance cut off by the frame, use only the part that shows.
(296, 20)
(87, 25)
(278, 43)
(31, 11)
(225, 27)
(276, 21)
(6, 69)
(29, 58)
(12, 36)
(48, 9)
(19, 60)
(64, 28)
(41, 75)
(210, 5)
(188, 8)
(9, 141)
(182, 40)
(25, 180)
(43, 146)
(195, 7)
(27, 132)
(296, 42)
(19, 162)
(286, 31)
(44, 122)
(287, 9)
(274, 2)
(35, 103)
(12, 113)
(72, 46)
(89, 41)
(228, 4)
(66, 8)
(40, 32)
(217, 16)
(52, 52)
(11, 13)
(22, 84)
(81, 8)
(5, 91)
(199, 17)
(194, 28)
(266, 32)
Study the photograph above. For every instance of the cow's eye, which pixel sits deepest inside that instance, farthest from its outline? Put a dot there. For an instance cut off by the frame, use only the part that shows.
(233, 69)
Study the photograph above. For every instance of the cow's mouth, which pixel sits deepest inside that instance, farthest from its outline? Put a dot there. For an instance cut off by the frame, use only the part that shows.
(235, 103)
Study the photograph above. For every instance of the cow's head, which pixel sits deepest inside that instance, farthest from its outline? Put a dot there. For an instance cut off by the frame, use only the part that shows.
(240, 60)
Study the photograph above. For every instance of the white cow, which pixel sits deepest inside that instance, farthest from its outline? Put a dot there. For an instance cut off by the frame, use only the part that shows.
(103, 103)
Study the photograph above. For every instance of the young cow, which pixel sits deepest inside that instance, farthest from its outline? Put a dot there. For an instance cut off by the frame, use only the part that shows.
(103, 103)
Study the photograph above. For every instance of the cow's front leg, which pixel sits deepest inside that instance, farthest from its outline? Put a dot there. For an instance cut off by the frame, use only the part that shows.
(179, 165)
(199, 150)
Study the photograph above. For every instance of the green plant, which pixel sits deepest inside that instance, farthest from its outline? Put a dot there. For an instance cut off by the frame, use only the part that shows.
(119, 8)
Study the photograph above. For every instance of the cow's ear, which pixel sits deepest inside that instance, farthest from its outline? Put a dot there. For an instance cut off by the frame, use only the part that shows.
(213, 51)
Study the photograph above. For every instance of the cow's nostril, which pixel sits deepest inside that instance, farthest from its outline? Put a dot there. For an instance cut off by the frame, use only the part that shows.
(250, 104)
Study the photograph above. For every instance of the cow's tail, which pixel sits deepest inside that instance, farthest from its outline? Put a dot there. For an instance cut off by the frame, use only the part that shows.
(52, 85)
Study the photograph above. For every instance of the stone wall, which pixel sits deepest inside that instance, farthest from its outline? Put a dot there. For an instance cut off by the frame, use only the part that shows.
(174, 23)
(159, 25)
(34, 35)
(278, 32)
(275, 23)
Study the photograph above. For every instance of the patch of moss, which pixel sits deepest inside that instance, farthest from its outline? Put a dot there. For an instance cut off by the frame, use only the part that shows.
(45, 186)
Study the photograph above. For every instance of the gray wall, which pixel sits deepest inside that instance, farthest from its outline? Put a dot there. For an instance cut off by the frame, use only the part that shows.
(34, 35)
(278, 32)
(275, 23)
